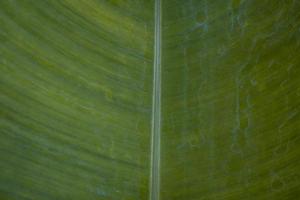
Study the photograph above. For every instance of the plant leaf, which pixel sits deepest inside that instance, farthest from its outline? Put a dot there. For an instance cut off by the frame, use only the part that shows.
(107, 100)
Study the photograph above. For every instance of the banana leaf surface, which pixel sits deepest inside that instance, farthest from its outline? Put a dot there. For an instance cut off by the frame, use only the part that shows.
(78, 90)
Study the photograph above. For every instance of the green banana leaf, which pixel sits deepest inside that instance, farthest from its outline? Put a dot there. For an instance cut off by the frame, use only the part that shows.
(149, 99)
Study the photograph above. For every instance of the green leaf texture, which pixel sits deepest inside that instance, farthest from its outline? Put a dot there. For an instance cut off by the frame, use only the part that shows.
(99, 101)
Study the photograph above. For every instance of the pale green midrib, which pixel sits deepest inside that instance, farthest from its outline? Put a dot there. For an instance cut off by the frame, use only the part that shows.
(156, 108)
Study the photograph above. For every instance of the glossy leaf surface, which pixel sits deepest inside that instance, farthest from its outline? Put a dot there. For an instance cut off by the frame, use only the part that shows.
(76, 99)
(76, 82)
(231, 100)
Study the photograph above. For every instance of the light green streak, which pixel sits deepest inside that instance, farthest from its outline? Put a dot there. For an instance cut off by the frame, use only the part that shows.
(156, 108)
